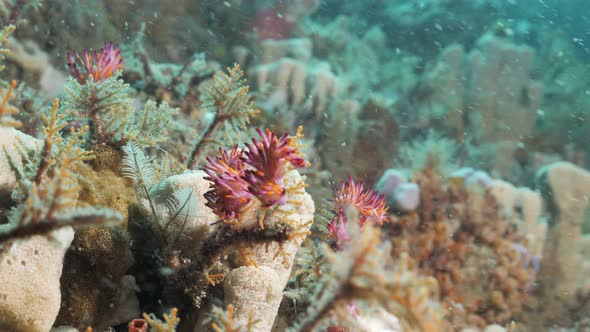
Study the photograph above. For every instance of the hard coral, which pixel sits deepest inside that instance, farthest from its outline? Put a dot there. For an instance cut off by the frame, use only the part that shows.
(238, 176)
(95, 65)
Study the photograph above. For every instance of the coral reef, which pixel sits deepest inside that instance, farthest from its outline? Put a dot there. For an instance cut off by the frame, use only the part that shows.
(445, 148)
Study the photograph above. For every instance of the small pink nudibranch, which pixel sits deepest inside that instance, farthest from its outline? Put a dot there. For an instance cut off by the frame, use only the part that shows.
(239, 175)
(96, 65)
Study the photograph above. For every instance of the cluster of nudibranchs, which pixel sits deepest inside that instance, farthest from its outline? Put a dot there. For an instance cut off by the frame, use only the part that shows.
(369, 204)
(94, 65)
(256, 172)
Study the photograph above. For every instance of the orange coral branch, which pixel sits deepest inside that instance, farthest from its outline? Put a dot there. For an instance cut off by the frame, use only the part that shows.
(6, 110)
(50, 131)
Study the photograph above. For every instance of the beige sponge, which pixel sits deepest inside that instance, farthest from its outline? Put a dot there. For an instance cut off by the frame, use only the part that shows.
(30, 270)
(258, 290)
(566, 189)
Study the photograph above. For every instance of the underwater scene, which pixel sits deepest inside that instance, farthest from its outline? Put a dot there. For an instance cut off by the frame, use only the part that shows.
(294, 165)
